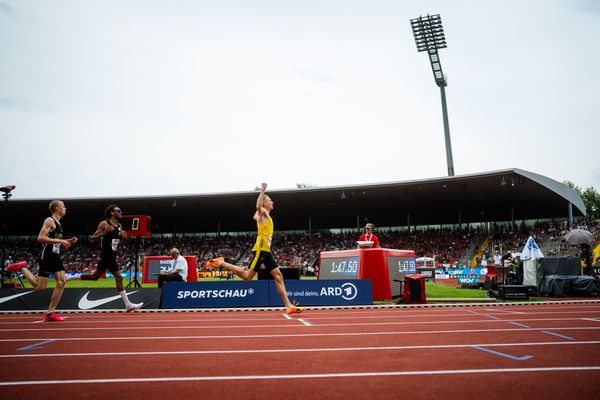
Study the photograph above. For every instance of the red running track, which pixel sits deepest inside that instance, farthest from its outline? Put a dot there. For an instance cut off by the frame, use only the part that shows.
(549, 351)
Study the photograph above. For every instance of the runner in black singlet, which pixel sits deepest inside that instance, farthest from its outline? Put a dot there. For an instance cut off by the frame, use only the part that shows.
(110, 234)
(51, 236)
(109, 244)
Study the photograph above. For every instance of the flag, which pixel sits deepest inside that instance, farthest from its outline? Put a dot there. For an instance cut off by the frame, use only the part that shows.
(531, 250)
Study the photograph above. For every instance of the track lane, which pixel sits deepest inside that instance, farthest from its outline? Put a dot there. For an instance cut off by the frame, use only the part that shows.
(304, 362)
(293, 373)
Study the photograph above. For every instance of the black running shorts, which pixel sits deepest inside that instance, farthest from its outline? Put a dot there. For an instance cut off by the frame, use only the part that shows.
(49, 265)
(108, 264)
(263, 258)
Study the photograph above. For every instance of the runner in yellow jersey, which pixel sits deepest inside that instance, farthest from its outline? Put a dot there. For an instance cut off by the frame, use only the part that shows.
(261, 252)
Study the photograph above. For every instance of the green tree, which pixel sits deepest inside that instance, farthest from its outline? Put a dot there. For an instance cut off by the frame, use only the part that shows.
(590, 197)
(573, 186)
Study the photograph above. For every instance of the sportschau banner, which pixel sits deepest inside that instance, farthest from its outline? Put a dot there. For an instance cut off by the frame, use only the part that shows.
(264, 293)
(196, 295)
(83, 299)
(324, 293)
(215, 294)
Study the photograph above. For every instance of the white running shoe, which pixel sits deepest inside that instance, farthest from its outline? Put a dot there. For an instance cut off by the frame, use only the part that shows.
(134, 307)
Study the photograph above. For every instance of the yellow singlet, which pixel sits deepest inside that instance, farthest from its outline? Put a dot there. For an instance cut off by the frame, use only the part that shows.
(265, 234)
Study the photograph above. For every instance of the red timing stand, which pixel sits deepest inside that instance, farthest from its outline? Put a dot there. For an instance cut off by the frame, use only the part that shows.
(382, 266)
(155, 264)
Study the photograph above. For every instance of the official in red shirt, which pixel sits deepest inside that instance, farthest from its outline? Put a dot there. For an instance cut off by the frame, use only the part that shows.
(368, 236)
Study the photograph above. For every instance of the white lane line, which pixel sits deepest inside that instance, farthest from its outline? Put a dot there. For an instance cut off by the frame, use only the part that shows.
(304, 321)
(362, 324)
(86, 318)
(296, 350)
(507, 311)
(80, 319)
(286, 316)
(550, 307)
(303, 376)
(99, 320)
(300, 335)
(500, 319)
(517, 324)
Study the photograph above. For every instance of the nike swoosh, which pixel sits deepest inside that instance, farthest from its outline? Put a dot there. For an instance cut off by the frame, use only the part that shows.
(14, 296)
(86, 304)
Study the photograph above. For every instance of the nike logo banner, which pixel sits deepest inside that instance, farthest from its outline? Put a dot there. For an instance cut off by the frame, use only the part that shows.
(14, 296)
(87, 304)
(76, 299)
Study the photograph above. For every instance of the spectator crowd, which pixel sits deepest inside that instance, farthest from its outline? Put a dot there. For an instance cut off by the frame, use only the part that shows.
(301, 250)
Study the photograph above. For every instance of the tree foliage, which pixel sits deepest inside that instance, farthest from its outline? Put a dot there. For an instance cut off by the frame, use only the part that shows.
(590, 197)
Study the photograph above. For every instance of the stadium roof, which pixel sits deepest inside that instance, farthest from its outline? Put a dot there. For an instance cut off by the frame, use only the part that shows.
(503, 195)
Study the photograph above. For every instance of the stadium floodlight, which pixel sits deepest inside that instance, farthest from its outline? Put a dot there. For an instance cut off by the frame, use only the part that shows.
(429, 37)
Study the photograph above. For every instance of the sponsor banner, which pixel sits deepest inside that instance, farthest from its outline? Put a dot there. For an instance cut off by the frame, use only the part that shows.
(215, 294)
(195, 295)
(212, 274)
(468, 279)
(124, 274)
(453, 272)
(263, 293)
(324, 292)
(76, 299)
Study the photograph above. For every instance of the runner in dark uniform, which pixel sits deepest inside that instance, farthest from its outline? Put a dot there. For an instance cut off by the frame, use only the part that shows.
(109, 244)
(110, 234)
(50, 260)
(51, 235)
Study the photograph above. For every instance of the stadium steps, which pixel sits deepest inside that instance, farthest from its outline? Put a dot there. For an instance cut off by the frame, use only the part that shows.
(465, 260)
(479, 252)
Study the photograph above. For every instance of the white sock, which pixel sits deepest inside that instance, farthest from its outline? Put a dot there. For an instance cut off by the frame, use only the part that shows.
(73, 277)
(125, 299)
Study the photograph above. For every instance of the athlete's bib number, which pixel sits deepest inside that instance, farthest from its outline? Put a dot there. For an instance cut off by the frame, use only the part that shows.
(56, 248)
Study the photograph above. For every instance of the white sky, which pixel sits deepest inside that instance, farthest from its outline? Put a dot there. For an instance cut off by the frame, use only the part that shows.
(124, 97)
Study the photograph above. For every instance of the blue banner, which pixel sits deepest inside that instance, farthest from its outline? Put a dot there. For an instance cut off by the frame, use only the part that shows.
(215, 294)
(324, 292)
(263, 293)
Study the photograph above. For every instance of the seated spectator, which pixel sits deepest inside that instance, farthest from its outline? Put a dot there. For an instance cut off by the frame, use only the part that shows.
(179, 271)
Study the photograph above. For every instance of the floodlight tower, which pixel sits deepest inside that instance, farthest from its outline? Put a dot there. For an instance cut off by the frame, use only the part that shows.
(429, 37)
